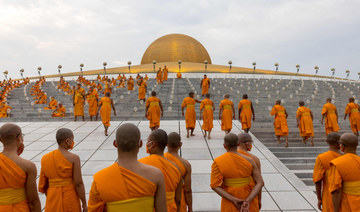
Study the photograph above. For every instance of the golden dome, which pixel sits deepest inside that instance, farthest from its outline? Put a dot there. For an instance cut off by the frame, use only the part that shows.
(175, 47)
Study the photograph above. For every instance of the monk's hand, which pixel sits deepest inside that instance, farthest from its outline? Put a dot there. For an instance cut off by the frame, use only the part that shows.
(345, 118)
(233, 117)
(162, 114)
(114, 113)
(322, 122)
(297, 124)
(85, 209)
(245, 207)
(320, 204)
(238, 202)
(200, 118)
(182, 113)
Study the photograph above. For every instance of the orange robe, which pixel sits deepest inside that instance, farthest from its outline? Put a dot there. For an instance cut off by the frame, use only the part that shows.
(165, 74)
(208, 114)
(92, 99)
(59, 112)
(107, 88)
(321, 173)
(12, 186)
(354, 116)
(178, 75)
(205, 86)
(105, 111)
(130, 84)
(52, 105)
(79, 102)
(3, 110)
(99, 87)
(171, 174)
(345, 172)
(229, 169)
(280, 123)
(246, 113)
(306, 123)
(57, 173)
(226, 115)
(182, 168)
(159, 77)
(142, 90)
(153, 111)
(331, 123)
(190, 115)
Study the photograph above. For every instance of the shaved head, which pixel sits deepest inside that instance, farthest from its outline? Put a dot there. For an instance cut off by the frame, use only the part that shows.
(301, 103)
(231, 140)
(278, 102)
(107, 94)
(174, 140)
(328, 99)
(207, 95)
(160, 138)
(351, 99)
(226, 96)
(244, 137)
(245, 96)
(9, 132)
(62, 134)
(333, 139)
(349, 140)
(127, 137)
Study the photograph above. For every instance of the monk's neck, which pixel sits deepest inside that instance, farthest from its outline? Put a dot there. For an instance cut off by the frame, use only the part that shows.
(232, 151)
(242, 149)
(9, 150)
(334, 149)
(350, 151)
(173, 152)
(159, 153)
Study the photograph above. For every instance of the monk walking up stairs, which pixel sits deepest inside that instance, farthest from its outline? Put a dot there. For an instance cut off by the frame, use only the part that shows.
(329, 112)
(304, 120)
(280, 123)
(226, 113)
(207, 109)
(153, 111)
(352, 109)
(246, 110)
(190, 117)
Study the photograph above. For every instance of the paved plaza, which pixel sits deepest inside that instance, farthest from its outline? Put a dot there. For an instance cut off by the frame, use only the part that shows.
(283, 191)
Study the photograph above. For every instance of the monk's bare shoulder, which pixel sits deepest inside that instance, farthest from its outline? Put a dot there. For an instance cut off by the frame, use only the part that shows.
(26, 165)
(255, 158)
(151, 173)
(249, 159)
(186, 164)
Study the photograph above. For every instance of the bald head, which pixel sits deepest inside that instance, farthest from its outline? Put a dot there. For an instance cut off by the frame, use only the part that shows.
(231, 141)
(301, 103)
(351, 99)
(278, 102)
(62, 134)
(127, 137)
(160, 138)
(349, 140)
(328, 100)
(9, 132)
(333, 139)
(244, 137)
(174, 140)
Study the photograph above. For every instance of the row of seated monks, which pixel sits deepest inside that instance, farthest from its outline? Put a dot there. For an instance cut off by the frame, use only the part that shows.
(162, 181)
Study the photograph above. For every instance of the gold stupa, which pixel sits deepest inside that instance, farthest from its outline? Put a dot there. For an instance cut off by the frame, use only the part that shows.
(175, 47)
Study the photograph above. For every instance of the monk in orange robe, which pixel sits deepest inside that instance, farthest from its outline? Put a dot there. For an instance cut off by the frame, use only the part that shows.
(165, 73)
(236, 178)
(280, 123)
(105, 105)
(130, 84)
(93, 99)
(156, 144)
(59, 112)
(60, 176)
(244, 148)
(142, 89)
(79, 99)
(178, 75)
(321, 172)
(246, 110)
(207, 109)
(107, 87)
(121, 84)
(42, 99)
(159, 77)
(304, 120)
(354, 115)
(99, 87)
(146, 77)
(4, 109)
(205, 85)
(344, 176)
(226, 113)
(17, 176)
(128, 185)
(173, 146)
(190, 117)
(153, 111)
(330, 114)
(52, 104)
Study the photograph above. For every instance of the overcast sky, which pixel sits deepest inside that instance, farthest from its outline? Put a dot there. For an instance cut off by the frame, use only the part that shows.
(307, 32)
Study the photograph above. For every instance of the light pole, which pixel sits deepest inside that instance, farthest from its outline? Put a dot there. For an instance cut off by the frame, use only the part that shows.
(297, 68)
(276, 67)
(359, 76)
(105, 64)
(205, 62)
(129, 64)
(6, 73)
(347, 74)
(81, 67)
(316, 70)
(230, 65)
(333, 72)
(254, 64)
(179, 62)
(154, 63)
(22, 73)
(39, 70)
(59, 69)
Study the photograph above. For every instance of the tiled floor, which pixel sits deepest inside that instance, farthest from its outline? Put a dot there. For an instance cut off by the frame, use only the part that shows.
(283, 191)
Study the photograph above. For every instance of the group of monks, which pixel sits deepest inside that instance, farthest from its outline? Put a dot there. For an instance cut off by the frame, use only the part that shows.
(7, 86)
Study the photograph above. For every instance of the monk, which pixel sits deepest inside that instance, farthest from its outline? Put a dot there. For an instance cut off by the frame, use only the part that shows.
(173, 146)
(153, 111)
(344, 176)
(52, 104)
(280, 124)
(159, 77)
(330, 114)
(205, 85)
(17, 176)
(93, 100)
(142, 89)
(354, 116)
(236, 178)
(178, 75)
(78, 102)
(304, 121)
(59, 111)
(128, 185)
(60, 176)
(244, 148)
(99, 87)
(226, 114)
(190, 118)
(207, 109)
(165, 73)
(321, 172)
(130, 84)
(146, 77)
(246, 110)
(105, 105)
(156, 144)
(4, 109)
(107, 87)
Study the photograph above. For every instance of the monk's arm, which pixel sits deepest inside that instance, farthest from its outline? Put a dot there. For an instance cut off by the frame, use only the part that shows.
(161, 109)
(322, 118)
(182, 110)
(178, 192)
(113, 107)
(209, 83)
(259, 183)
(31, 191)
(239, 112)
(220, 110)
(78, 181)
(237, 202)
(201, 83)
(160, 194)
(286, 114)
(336, 199)
(253, 111)
(233, 111)
(99, 107)
(318, 186)
(311, 115)
(298, 120)
(187, 189)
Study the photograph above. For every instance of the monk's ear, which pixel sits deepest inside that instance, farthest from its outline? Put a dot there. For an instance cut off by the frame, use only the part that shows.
(225, 147)
(115, 145)
(140, 143)
(180, 145)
